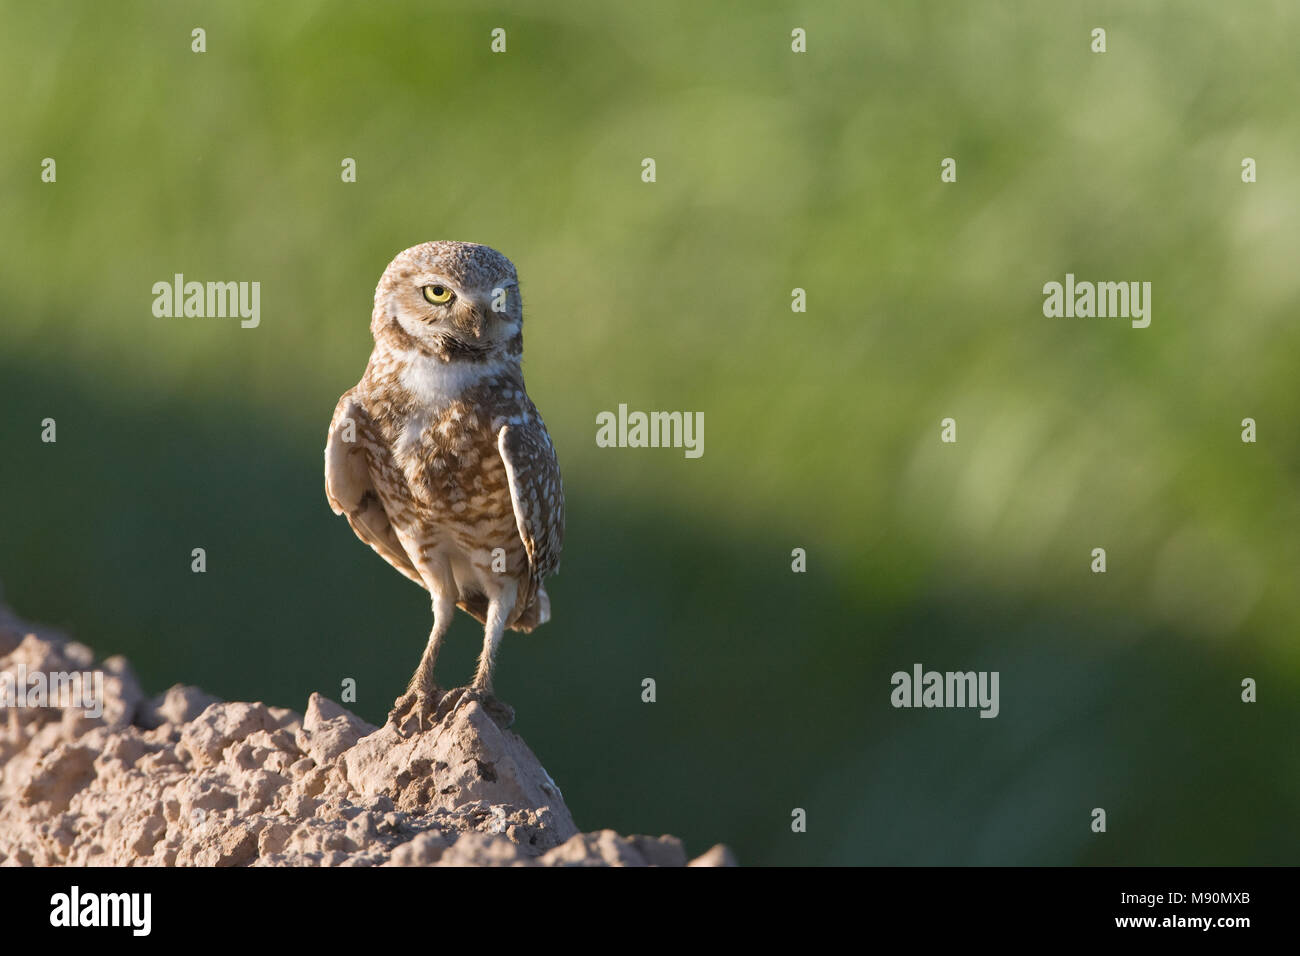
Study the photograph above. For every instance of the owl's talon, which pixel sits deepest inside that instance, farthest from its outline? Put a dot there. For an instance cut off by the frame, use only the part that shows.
(502, 714)
(417, 703)
(449, 702)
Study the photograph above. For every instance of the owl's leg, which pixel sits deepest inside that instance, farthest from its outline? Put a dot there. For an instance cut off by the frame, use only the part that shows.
(500, 605)
(421, 697)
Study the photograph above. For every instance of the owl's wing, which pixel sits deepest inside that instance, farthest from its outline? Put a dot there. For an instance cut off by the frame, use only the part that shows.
(351, 489)
(535, 492)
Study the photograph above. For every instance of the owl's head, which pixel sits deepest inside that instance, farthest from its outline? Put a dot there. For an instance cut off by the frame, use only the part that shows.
(456, 300)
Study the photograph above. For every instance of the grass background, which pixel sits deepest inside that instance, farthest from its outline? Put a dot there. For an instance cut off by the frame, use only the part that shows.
(775, 171)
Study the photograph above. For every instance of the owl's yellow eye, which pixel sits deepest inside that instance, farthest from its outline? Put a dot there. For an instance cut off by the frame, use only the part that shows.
(437, 294)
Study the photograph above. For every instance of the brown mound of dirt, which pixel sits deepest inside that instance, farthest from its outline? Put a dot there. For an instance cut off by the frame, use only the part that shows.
(186, 779)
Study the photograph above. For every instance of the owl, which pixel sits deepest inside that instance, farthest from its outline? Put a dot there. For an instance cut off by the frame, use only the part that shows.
(440, 461)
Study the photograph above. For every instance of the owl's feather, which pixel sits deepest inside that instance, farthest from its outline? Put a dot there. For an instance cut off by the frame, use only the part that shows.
(535, 492)
(351, 490)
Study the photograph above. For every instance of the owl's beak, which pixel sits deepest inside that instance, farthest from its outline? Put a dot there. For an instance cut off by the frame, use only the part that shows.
(473, 322)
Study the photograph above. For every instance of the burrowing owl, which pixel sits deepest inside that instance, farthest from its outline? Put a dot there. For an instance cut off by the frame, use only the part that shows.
(441, 462)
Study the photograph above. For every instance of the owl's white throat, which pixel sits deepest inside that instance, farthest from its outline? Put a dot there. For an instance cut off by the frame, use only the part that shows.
(435, 383)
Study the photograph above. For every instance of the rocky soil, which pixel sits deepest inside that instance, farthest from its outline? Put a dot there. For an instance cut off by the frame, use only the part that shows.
(185, 779)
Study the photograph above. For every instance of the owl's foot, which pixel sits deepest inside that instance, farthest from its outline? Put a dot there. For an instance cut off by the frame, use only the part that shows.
(418, 704)
(502, 714)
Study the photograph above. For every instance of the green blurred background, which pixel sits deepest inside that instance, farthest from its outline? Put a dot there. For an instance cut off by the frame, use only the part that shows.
(775, 171)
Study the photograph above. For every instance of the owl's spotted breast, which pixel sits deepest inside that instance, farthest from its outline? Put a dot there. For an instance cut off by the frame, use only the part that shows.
(450, 462)
(447, 487)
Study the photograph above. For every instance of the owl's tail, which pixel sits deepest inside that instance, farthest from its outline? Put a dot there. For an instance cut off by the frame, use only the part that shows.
(535, 613)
